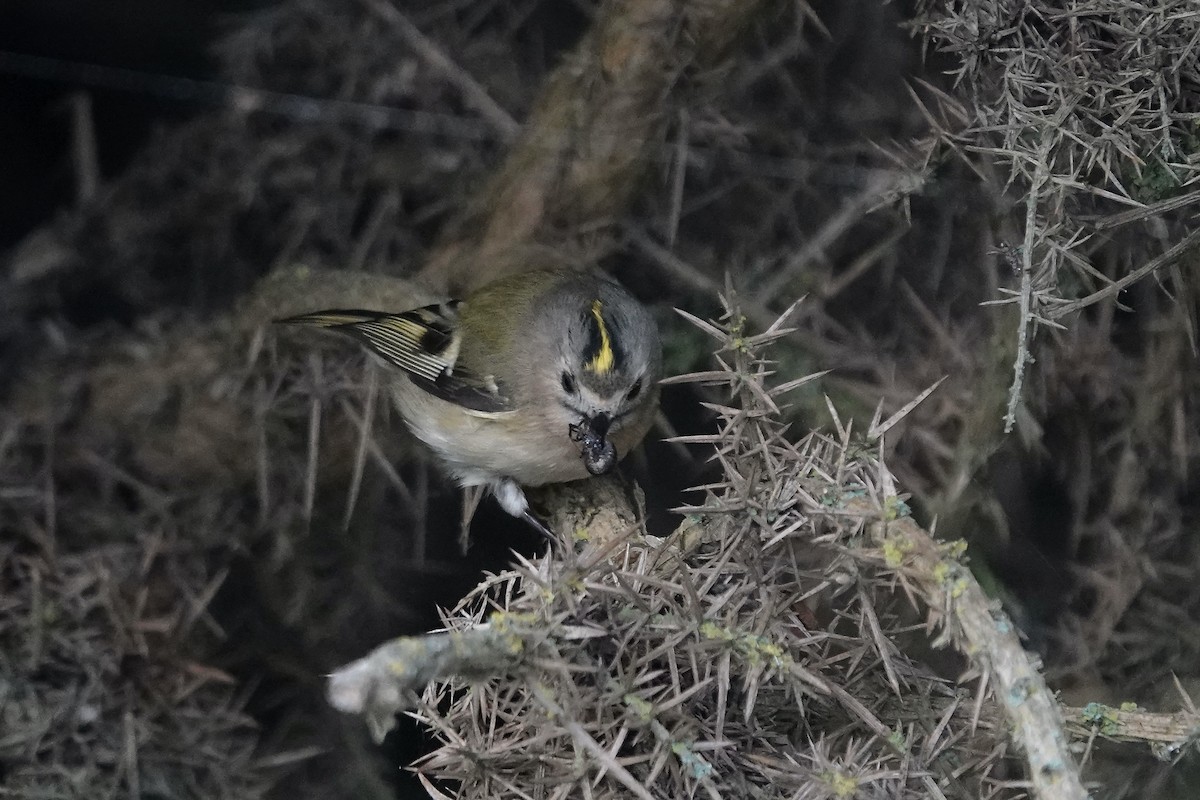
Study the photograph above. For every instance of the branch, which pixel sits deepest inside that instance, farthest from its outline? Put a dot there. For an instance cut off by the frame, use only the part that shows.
(1178, 251)
(984, 634)
(474, 93)
(389, 678)
(1025, 321)
(597, 513)
(584, 149)
(1170, 732)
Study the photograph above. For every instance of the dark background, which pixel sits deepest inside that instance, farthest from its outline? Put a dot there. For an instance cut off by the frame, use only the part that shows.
(1085, 530)
(144, 44)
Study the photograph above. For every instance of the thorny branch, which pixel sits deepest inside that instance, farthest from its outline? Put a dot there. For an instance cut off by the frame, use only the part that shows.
(1168, 734)
(204, 433)
(529, 648)
(984, 632)
(1079, 135)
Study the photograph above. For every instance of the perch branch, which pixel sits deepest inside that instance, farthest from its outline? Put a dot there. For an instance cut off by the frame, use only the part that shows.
(388, 679)
(597, 513)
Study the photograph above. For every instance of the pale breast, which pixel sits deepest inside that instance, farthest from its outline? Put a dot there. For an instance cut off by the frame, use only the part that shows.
(476, 447)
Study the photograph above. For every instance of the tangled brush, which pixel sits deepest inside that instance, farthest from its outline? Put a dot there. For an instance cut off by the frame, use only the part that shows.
(1092, 109)
(764, 649)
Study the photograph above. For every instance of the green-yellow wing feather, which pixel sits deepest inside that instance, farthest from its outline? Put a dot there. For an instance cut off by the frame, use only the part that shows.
(424, 342)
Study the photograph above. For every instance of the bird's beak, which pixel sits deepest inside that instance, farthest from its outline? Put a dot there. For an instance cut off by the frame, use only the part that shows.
(598, 424)
(599, 455)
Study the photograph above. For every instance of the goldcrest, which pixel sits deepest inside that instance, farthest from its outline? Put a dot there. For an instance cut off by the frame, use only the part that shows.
(541, 377)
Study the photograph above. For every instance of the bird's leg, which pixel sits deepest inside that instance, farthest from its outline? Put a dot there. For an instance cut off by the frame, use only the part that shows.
(541, 528)
(471, 497)
(511, 498)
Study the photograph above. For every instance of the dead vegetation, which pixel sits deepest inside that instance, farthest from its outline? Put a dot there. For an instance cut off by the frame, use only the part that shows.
(200, 520)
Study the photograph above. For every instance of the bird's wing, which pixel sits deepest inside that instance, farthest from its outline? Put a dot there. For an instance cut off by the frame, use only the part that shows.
(424, 342)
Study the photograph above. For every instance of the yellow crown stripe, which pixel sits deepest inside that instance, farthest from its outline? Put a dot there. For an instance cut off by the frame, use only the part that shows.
(603, 362)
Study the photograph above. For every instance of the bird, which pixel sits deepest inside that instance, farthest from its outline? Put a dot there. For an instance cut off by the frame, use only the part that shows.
(536, 378)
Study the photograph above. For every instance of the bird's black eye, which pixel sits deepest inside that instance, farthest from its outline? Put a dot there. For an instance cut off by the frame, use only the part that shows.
(568, 383)
(634, 390)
